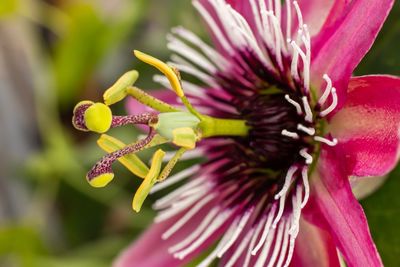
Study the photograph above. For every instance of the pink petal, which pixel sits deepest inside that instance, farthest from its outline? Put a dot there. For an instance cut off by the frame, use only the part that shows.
(314, 247)
(333, 207)
(346, 37)
(150, 250)
(368, 125)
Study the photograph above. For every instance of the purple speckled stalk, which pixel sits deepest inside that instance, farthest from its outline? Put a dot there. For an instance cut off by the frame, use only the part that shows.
(104, 165)
(144, 118)
(78, 119)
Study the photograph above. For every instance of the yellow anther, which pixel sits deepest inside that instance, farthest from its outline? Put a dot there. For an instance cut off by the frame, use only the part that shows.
(148, 181)
(130, 161)
(98, 118)
(169, 72)
(117, 91)
(102, 180)
(184, 137)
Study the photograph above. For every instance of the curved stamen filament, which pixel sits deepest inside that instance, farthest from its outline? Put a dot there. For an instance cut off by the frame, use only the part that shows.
(104, 165)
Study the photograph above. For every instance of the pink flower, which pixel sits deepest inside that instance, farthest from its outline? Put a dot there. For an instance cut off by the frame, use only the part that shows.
(280, 195)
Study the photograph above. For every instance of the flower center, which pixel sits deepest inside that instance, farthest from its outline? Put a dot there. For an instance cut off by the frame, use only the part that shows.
(267, 116)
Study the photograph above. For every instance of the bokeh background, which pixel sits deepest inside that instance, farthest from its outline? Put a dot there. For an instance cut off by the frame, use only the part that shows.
(55, 53)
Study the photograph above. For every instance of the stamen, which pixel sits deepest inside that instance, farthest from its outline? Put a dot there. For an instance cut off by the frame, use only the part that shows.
(307, 130)
(294, 103)
(332, 142)
(267, 228)
(100, 174)
(290, 134)
(145, 118)
(304, 175)
(333, 104)
(182, 221)
(327, 90)
(307, 109)
(303, 152)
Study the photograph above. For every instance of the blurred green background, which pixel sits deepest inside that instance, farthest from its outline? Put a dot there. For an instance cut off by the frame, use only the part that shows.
(55, 53)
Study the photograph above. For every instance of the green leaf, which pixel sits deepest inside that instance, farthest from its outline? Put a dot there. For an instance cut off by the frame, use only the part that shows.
(383, 213)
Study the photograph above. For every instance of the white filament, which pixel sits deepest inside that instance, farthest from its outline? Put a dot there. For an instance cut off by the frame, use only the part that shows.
(290, 134)
(182, 221)
(304, 175)
(253, 241)
(294, 103)
(221, 218)
(307, 108)
(236, 233)
(213, 26)
(288, 179)
(327, 90)
(303, 152)
(332, 105)
(307, 130)
(267, 228)
(240, 249)
(332, 142)
(203, 225)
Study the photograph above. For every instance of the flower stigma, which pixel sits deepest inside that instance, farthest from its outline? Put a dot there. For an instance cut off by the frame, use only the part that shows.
(168, 124)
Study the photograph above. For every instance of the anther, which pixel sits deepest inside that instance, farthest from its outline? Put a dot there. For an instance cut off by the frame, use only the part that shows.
(290, 134)
(101, 173)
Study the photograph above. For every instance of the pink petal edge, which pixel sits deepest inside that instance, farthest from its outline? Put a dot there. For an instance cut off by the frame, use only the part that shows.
(333, 207)
(346, 37)
(368, 125)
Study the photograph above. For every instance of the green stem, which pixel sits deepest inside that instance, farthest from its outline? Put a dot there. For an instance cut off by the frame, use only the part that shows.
(149, 100)
(222, 127)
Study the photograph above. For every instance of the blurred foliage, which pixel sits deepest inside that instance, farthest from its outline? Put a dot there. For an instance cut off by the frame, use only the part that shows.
(83, 46)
